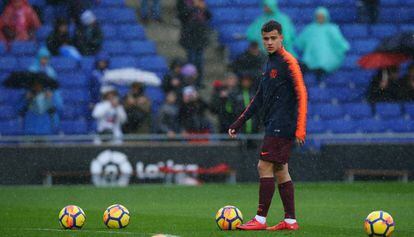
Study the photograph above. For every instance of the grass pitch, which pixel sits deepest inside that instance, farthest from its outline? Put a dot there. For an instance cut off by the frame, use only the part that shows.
(323, 209)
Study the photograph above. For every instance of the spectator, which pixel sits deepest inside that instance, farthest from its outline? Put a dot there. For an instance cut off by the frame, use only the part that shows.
(2, 36)
(322, 44)
(272, 12)
(20, 21)
(173, 80)
(153, 13)
(194, 17)
(192, 114)
(88, 36)
(42, 63)
(168, 116)
(95, 83)
(71, 9)
(138, 109)
(407, 85)
(246, 93)
(251, 61)
(110, 115)
(368, 11)
(385, 86)
(40, 109)
(59, 37)
(190, 75)
(223, 101)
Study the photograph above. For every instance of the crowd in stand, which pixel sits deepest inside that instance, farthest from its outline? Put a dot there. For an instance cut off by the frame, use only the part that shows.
(320, 44)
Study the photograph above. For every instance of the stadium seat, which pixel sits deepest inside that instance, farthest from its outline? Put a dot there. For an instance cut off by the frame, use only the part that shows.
(371, 126)
(75, 96)
(301, 15)
(122, 62)
(87, 64)
(37, 3)
(328, 111)
(337, 80)
(388, 110)
(384, 30)
(409, 110)
(43, 32)
(237, 47)
(218, 3)
(250, 14)
(122, 15)
(227, 15)
(354, 31)
(74, 126)
(7, 112)
(117, 47)
(400, 125)
(315, 126)
(63, 64)
(358, 110)
(2, 48)
(111, 3)
(20, 48)
(71, 112)
(142, 48)
(235, 29)
(350, 62)
(319, 95)
(75, 80)
(347, 95)
(340, 126)
(25, 62)
(131, 32)
(343, 15)
(8, 64)
(247, 3)
(11, 127)
(153, 63)
(364, 46)
(310, 80)
(110, 32)
(10, 97)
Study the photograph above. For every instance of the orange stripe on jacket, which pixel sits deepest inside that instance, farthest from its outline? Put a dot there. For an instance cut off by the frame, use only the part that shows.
(301, 94)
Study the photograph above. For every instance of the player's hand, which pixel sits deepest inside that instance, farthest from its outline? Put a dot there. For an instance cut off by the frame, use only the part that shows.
(300, 142)
(232, 133)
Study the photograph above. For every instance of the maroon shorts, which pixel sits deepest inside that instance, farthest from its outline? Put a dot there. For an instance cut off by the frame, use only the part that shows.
(276, 149)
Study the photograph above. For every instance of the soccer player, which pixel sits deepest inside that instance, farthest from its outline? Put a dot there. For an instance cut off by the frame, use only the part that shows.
(282, 100)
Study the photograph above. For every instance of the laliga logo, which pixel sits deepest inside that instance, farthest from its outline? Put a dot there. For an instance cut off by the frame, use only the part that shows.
(111, 168)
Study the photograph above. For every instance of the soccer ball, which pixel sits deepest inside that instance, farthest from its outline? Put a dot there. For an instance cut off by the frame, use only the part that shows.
(116, 217)
(72, 217)
(379, 223)
(228, 218)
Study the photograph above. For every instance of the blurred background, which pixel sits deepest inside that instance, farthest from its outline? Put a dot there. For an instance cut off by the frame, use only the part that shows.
(113, 92)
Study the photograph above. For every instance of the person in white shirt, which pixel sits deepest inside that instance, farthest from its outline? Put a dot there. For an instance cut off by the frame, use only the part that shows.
(109, 115)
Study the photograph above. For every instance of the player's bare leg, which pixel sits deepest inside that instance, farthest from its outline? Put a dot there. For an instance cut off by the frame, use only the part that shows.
(286, 191)
(266, 191)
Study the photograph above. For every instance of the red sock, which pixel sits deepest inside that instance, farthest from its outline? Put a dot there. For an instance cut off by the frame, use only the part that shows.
(266, 190)
(286, 192)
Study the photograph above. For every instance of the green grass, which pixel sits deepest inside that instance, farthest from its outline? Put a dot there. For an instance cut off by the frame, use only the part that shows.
(323, 209)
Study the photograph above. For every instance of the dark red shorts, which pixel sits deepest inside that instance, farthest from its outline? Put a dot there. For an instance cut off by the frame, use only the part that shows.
(276, 149)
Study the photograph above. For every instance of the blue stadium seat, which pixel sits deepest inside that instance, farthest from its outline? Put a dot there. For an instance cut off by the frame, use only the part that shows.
(351, 62)
(388, 110)
(75, 96)
(2, 48)
(87, 64)
(371, 126)
(111, 3)
(153, 63)
(38, 3)
(8, 64)
(340, 126)
(10, 97)
(310, 80)
(8, 112)
(383, 30)
(407, 27)
(364, 46)
(250, 14)
(156, 96)
(227, 15)
(117, 47)
(122, 62)
(20, 48)
(11, 127)
(74, 126)
(122, 15)
(25, 62)
(354, 31)
(315, 126)
(300, 15)
(142, 48)
(347, 95)
(218, 3)
(235, 29)
(409, 110)
(63, 64)
(246, 3)
(43, 32)
(337, 80)
(400, 125)
(237, 47)
(343, 15)
(328, 111)
(131, 32)
(75, 80)
(390, 3)
(320, 95)
(301, 3)
(71, 113)
(358, 110)
(109, 31)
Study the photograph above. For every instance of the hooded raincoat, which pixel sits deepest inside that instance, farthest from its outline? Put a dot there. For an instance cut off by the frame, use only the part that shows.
(323, 45)
(254, 32)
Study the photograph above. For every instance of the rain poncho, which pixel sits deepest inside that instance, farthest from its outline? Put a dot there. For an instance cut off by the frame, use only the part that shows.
(254, 32)
(323, 45)
(38, 67)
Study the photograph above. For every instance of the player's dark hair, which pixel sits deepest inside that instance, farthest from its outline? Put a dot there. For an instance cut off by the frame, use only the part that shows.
(271, 26)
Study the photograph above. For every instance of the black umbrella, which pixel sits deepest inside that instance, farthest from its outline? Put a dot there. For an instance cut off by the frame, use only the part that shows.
(26, 80)
(400, 43)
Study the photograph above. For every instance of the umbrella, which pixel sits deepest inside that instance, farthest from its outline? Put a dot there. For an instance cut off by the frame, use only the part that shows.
(27, 79)
(127, 76)
(378, 60)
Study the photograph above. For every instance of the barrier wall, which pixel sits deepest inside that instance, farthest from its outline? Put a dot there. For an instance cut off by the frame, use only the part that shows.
(141, 162)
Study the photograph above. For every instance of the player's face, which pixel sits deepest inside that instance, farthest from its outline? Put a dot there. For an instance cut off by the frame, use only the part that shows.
(272, 40)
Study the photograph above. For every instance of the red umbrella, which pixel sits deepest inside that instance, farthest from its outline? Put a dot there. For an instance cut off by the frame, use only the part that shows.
(378, 60)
